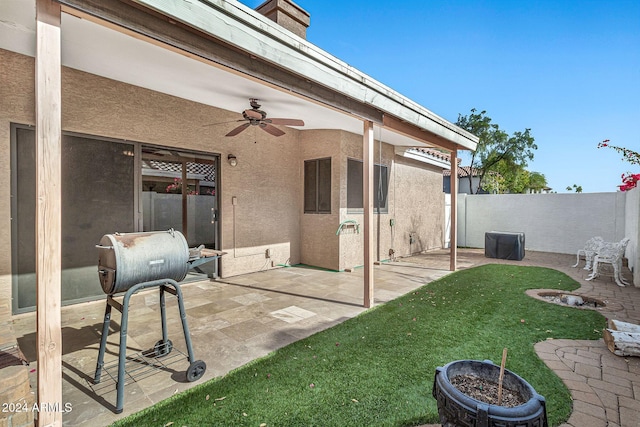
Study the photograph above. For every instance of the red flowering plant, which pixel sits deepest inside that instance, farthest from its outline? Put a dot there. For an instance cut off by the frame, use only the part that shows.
(629, 180)
(176, 188)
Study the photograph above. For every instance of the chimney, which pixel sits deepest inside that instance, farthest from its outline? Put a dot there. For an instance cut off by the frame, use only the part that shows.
(287, 14)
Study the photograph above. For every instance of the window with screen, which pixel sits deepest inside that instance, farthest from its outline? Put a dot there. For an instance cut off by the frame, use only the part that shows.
(317, 186)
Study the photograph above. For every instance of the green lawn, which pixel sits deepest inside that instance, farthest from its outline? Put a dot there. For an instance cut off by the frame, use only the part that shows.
(377, 369)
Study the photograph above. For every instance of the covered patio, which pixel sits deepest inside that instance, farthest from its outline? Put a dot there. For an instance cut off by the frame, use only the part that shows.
(170, 75)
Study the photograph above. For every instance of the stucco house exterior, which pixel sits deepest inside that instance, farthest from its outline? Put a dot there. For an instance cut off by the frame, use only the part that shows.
(113, 116)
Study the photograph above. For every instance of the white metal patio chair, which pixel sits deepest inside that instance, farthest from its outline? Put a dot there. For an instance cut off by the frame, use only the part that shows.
(611, 254)
(589, 251)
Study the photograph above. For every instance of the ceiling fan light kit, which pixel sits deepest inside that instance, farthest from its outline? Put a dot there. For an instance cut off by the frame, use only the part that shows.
(257, 117)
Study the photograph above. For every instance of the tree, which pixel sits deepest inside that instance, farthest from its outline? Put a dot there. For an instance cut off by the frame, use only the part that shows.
(494, 183)
(495, 146)
(576, 188)
(537, 182)
(515, 179)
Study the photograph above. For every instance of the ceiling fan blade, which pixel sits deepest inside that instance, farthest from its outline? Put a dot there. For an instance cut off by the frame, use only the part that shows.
(271, 129)
(239, 129)
(285, 122)
(223, 123)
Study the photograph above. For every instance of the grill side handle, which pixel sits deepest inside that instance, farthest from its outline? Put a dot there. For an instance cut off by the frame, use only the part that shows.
(104, 247)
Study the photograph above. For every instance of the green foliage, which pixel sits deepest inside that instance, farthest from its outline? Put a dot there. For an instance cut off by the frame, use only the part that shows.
(630, 156)
(537, 181)
(497, 150)
(377, 369)
(576, 188)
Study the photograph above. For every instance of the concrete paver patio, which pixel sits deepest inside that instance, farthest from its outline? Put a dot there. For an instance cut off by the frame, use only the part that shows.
(236, 320)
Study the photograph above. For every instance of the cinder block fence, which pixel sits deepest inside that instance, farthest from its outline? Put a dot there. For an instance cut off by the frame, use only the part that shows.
(558, 223)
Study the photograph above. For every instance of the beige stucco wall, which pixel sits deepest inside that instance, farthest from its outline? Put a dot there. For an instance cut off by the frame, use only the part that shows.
(419, 201)
(351, 244)
(415, 204)
(265, 184)
(320, 245)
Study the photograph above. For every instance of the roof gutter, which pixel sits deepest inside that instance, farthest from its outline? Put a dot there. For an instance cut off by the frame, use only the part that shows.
(248, 30)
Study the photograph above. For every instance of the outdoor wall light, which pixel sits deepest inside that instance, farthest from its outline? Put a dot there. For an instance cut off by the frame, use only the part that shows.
(233, 161)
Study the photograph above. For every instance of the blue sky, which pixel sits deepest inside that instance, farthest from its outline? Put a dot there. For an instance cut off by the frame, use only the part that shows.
(569, 70)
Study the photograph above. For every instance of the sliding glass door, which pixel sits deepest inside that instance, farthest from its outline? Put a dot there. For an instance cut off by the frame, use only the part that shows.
(97, 198)
(108, 186)
(179, 192)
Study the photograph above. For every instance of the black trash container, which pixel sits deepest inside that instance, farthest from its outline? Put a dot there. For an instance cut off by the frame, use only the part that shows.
(504, 245)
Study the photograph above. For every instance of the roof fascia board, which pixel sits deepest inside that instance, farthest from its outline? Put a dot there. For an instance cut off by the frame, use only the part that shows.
(230, 21)
(420, 134)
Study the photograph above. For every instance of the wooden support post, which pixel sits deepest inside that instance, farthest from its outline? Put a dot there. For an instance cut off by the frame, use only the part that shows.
(367, 192)
(48, 208)
(453, 239)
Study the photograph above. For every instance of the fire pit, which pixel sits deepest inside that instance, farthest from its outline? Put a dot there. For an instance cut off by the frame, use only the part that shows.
(572, 300)
(457, 409)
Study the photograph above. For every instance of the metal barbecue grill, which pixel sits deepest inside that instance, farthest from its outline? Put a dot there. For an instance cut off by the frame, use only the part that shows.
(131, 262)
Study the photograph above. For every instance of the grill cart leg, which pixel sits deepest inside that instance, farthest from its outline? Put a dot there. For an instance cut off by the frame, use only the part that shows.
(163, 315)
(164, 346)
(103, 343)
(122, 356)
(197, 367)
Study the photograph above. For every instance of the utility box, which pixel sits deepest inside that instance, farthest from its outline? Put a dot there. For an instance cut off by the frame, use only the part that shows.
(504, 245)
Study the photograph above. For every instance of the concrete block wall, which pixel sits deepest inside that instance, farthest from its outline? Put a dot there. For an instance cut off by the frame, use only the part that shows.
(632, 231)
(559, 223)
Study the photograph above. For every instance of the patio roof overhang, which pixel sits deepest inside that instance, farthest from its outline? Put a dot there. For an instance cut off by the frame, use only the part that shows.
(230, 53)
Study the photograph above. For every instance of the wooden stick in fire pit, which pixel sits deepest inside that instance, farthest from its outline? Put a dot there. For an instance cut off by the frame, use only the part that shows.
(504, 361)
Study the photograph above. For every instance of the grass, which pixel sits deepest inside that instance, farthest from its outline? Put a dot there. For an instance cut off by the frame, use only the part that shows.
(378, 368)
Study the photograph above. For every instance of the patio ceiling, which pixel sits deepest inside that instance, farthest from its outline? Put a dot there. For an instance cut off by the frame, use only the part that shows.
(98, 49)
